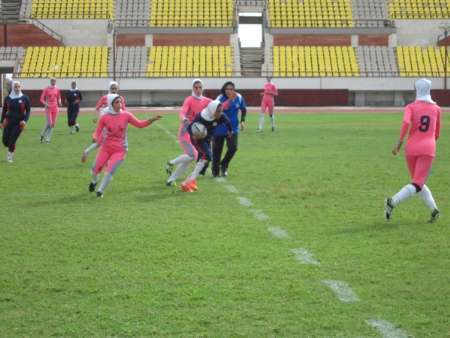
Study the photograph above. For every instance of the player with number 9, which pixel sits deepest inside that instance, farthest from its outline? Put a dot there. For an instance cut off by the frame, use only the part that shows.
(422, 119)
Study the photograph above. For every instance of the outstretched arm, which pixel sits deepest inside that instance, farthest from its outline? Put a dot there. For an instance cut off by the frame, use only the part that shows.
(141, 123)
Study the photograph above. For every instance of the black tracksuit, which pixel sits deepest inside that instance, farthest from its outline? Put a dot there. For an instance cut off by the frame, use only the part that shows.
(14, 111)
(73, 107)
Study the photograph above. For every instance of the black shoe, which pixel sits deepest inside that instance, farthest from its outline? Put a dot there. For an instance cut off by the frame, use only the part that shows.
(99, 194)
(388, 208)
(434, 216)
(171, 183)
(42, 139)
(273, 128)
(92, 186)
(77, 128)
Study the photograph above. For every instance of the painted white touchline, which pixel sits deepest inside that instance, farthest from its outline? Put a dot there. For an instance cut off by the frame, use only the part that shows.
(231, 188)
(167, 132)
(245, 202)
(342, 291)
(259, 215)
(304, 256)
(387, 329)
(221, 179)
(278, 232)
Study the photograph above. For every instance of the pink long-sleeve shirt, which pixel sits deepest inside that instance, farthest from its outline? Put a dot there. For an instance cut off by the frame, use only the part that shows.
(193, 106)
(423, 120)
(115, 126)
(51, 96)
(270, 90)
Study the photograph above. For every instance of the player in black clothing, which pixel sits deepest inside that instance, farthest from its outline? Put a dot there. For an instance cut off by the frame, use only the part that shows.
(15, 114)
(73, 98)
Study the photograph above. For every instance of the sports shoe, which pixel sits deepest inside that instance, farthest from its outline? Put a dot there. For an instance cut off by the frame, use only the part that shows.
(185, 186)
(99, 194)
(434, 216)
(84, 157)
(42, 139)
(92, 186)
(77, 127)
(388, 208)
(10, 157)
(223, 172)
(259, 130)
(193, 185)
(171, 183)
(273, 128)
(169, 168)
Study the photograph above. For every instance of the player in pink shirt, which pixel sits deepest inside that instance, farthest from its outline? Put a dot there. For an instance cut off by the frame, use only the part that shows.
(51, 99)
(192, 105)
(114, 147)
(267, 104)
(423, 120)
(102, 104)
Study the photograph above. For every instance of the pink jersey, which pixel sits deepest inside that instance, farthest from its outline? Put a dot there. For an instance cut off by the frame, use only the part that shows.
(51, 96)
(270, 90)
(103, 103)
(193, 106)
(115, 126)
(424, 120)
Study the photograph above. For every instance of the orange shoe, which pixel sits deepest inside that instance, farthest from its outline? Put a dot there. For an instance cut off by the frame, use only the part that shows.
(186, 187)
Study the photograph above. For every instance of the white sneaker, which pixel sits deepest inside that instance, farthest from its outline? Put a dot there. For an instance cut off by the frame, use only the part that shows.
(10, 157)
(388, 208)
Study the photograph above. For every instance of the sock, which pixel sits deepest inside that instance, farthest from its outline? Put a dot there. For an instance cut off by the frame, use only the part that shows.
(49, 134)
(272, 118)
(406, 192)
(427, 198)
(181, 168)
(261, 121)
(94, 177)
(93, 146)
(106, 180)
(198, 168)
(181, 159)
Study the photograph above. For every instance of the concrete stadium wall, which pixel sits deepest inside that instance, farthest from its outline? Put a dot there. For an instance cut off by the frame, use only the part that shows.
(26, 35)
(188, 39)
(80, 32)
(419, 32)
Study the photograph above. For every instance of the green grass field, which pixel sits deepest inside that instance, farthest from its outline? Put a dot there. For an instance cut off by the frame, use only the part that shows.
(150, 260)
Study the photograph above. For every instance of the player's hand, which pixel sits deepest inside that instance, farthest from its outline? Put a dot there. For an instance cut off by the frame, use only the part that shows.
(397, 148)
(156, 118)
(242, 125)
(22, 125)
(229, 134)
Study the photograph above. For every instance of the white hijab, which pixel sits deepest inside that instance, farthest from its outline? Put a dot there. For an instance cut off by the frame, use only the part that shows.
(423, 91)
(111, 84)
(193, 93)
(13, 95)
(110, 109)
(210, 110)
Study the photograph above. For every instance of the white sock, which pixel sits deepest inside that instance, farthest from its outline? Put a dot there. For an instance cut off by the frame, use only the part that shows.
(273, 120)
(181, 168)
(261, 121)
(198, 168)
(94, 177)
(427, 198)
(181, 159)
(93, 146)
(106, 180)
(406, 192)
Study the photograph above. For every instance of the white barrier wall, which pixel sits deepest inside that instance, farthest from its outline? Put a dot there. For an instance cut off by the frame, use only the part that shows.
(419, 32)
(80, 32)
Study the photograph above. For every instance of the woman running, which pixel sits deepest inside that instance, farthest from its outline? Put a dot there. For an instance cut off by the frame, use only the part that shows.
(51, 99)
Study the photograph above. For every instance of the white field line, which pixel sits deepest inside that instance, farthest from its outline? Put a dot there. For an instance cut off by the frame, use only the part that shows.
(304, 256)
(259, 215)
(342, 291)
(231, 188)
(278, 232)
(245, 202)
(387, 329)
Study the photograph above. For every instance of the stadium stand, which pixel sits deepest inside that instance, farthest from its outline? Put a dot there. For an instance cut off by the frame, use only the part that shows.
(315, 61)
(65, 62)
(416, 61)
(377, 61)
(192, 13)
(370, 13)
(72, 9)
(9, 11)
(132, 13)
(182, 61)
(11, 53)
(310, 13)
(419, 9)
(131, 62)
